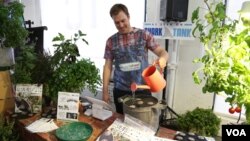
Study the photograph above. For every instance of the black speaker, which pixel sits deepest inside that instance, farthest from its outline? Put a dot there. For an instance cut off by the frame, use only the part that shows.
(174, 10)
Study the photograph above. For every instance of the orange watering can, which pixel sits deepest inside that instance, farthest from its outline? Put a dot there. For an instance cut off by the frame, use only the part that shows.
(153, 78)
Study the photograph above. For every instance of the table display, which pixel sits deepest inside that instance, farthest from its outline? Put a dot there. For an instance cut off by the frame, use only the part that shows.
(98, 126)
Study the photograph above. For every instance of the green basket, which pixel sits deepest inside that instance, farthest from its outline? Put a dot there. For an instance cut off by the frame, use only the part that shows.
(75, 131)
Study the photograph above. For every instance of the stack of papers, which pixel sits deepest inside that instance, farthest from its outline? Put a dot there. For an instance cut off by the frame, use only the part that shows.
(100, 113)
(42, 125)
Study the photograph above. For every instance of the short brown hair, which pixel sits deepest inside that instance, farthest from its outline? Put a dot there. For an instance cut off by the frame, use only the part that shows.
(115, 9)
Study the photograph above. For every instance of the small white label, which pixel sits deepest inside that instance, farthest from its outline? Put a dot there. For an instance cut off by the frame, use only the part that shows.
(130, 66)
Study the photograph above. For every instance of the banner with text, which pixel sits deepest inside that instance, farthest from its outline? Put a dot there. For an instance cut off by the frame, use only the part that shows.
(170, 30)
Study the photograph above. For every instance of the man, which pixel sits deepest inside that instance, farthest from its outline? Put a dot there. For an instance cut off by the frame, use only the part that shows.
(128, 50)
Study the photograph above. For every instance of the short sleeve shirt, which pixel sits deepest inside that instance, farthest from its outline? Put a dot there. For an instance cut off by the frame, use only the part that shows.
(129, 53)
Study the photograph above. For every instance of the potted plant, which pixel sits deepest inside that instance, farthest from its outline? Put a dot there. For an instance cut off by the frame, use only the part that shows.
(32, 69)
(28, 73)
(26, 60)
(226, 62)
(200, 121)
(12, 31)
(71, 73)
(7, 130)
(42, 73)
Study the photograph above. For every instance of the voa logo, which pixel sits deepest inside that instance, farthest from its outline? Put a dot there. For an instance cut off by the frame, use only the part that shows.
(236, 132)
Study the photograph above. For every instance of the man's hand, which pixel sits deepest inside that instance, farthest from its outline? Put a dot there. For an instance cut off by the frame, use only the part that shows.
(106, 97)
(162, 62)
(163, 57)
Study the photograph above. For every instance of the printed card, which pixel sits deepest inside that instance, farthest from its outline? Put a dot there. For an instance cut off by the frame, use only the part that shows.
(68, 106)
(28, 98)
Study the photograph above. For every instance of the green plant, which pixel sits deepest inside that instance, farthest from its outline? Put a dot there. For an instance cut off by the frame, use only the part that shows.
(7, 131)
(26, 61)
(42, 70)
(70, 72)
(12, 32)
(226, 63)
(32, 68)
(201, 121)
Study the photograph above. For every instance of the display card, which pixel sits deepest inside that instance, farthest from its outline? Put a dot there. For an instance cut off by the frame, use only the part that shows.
(28, 98)
(68, 106)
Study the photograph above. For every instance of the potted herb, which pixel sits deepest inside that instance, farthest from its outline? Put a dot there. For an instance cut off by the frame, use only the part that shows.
(12, 31)
(226, 62)
(26, 60)
(28, 73)
(7, 130)
(32, 68)
(200, 121)
(71, 73)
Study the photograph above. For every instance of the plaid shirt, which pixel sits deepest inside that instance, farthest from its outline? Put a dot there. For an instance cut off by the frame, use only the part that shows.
(129, 53)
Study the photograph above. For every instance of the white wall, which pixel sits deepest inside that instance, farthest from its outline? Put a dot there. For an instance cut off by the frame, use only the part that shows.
(32, 11)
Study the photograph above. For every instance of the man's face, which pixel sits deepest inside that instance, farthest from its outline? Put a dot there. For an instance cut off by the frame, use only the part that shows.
(121, 21)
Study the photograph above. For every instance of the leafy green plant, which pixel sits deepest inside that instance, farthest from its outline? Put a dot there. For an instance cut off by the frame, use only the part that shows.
(7, 131)
(42, 70)
(201, 121)
(70, 72)
(12, 32)
(226, 63)
(26, 61)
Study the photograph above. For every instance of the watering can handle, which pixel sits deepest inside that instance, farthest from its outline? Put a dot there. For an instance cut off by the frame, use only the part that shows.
(157, 63)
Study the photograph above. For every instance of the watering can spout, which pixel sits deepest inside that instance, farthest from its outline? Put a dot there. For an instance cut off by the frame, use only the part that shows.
(134, 87)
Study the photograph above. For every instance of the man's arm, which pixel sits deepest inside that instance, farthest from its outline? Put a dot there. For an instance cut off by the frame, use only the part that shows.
(107, 69)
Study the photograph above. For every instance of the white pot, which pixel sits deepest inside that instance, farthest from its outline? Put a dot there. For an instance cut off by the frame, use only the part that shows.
(7, 57)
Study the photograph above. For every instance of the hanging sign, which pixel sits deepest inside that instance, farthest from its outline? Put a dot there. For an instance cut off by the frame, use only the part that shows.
(170, 30)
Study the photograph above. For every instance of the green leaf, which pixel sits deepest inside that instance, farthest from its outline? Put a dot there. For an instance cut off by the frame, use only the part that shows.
(85, 41)
(195, 15)
(247, 40)
(56, 39)
(196, 78)
(221, 11)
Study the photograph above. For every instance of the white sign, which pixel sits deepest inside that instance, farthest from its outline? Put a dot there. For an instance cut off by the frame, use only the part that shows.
(68, 106)
(170, 30)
